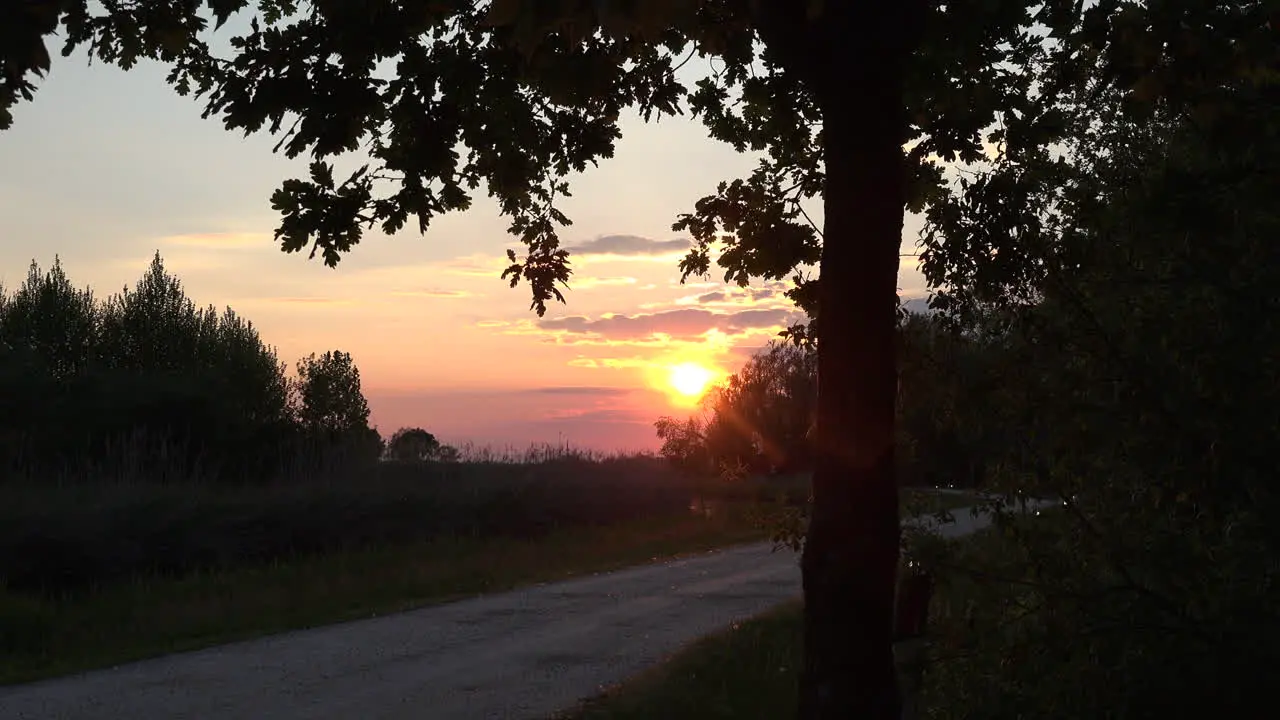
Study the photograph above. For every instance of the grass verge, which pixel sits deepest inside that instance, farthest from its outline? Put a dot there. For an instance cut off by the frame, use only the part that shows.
(749, 671)
(43, 637)
(143, 618)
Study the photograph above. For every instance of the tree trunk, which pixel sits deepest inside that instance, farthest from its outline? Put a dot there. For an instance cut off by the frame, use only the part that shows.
(851, 552)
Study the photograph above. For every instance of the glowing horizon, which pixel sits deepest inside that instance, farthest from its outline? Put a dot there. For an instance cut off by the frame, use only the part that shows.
(441, 341)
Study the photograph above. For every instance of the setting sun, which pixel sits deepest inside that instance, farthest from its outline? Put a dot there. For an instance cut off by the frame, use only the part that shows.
(690, 379)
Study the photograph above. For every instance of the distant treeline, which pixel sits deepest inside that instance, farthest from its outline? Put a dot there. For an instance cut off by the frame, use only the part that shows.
(143, 386)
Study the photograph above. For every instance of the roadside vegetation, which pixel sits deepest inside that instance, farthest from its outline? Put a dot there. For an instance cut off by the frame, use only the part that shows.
(1097, 337)
(749, 672)
(161, 569)
(146, 616)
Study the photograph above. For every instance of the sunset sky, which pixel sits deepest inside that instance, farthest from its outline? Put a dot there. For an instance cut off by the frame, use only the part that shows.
(107, 167)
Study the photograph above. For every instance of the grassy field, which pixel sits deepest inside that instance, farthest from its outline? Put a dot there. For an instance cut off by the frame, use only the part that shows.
(138, 571)
(57, 539)
(42, 637)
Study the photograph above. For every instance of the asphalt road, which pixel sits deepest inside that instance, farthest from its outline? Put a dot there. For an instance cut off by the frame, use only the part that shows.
(521, 654)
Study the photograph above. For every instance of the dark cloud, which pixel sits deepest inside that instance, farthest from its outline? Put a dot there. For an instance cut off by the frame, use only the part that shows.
(687, 322)
(754, 294)
(747, 319)
(628, 245)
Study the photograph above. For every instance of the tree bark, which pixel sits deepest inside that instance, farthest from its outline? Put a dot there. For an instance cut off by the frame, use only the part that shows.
(851, 551)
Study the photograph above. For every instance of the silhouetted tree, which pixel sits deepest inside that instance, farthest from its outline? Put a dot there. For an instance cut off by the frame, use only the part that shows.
(948, 428)
(826, 91)
(154, 329)
(329, 395)
(413, 444)
(684, 444)
(757, 419)
(141, 386)
(332, 411)
(771, 400)
(1129, 302)
(50, 323)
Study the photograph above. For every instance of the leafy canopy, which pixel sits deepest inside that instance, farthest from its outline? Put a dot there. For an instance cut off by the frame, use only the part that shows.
(1127, 306)
(432, 101)
(329, 396)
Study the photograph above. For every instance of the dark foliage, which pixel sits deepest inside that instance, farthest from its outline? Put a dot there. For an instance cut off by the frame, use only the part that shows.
(416, 444)
(1134, 335)
(146, 387)
(759, 421)
(73, 538)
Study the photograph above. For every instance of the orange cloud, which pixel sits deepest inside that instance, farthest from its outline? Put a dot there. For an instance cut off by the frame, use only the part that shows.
(657, 341)
(738, 297)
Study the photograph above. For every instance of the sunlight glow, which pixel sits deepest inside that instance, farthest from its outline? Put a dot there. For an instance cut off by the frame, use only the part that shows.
(690, 379)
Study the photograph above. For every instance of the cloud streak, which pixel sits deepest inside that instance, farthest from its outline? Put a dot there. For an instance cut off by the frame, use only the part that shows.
(629, 246)
(683, 323)
(737, 297)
